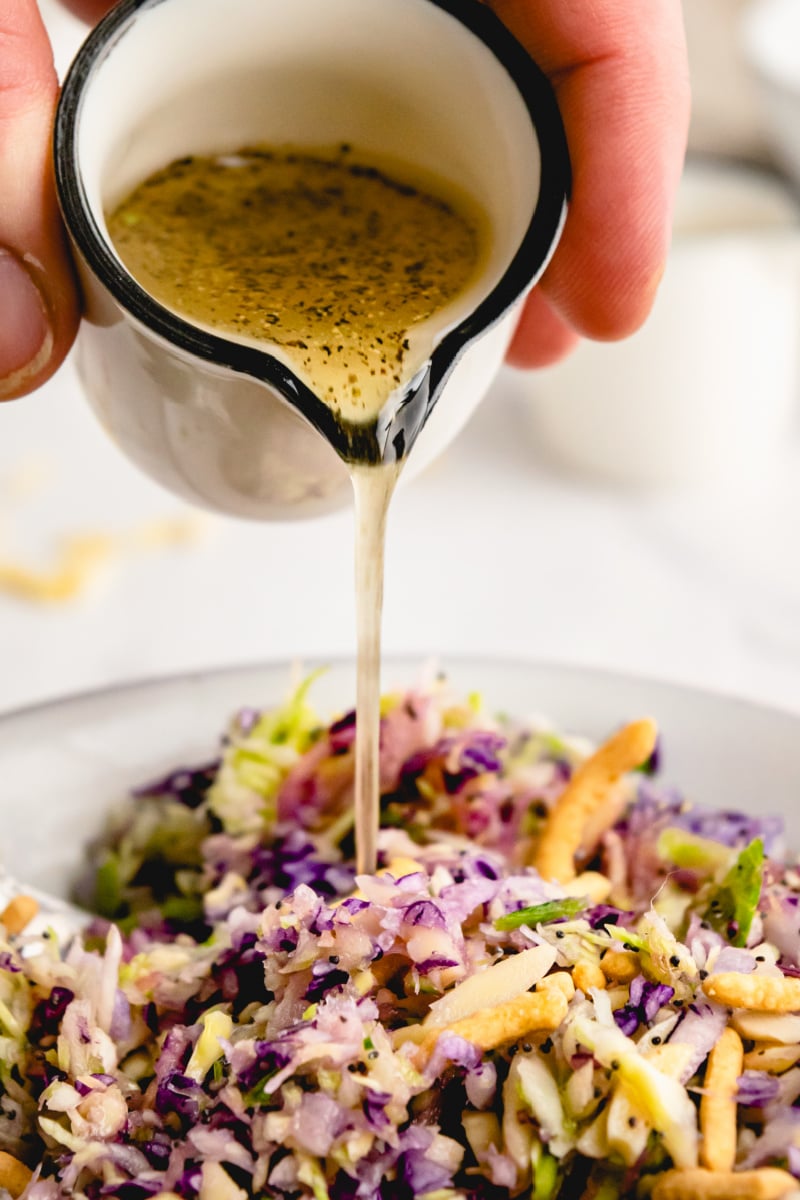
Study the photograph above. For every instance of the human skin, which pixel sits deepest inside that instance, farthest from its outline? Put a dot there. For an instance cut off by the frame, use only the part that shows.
(620, 73)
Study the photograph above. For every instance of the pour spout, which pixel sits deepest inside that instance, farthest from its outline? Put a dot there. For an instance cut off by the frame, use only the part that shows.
(405, 414)
(403, 418)
(386, 438)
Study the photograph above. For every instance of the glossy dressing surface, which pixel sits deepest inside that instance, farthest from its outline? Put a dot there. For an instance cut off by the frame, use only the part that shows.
(326, 255)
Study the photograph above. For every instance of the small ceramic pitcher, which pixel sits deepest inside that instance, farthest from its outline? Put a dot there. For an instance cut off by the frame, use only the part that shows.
(438, 84)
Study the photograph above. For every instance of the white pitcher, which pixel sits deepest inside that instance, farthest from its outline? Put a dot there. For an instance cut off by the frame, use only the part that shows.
(438, 84)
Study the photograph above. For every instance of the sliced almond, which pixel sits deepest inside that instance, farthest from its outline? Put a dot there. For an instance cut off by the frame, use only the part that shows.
(504, 980)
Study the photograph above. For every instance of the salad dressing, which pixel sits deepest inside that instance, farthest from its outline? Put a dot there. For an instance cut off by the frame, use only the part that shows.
(373, 488)
(339, 263)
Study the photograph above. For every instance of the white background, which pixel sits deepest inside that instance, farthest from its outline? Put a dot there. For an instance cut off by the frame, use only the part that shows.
(491, 552)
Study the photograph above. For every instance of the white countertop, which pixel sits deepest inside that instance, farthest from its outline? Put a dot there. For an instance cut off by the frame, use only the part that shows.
(491, 552)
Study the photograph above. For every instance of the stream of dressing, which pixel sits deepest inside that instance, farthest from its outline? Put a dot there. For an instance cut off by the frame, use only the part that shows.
(372, 489)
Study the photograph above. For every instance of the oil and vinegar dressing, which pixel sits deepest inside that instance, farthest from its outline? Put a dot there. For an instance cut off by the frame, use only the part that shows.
(334, 260)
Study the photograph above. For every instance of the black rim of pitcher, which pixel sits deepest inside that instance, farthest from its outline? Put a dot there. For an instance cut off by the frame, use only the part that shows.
(527, 264)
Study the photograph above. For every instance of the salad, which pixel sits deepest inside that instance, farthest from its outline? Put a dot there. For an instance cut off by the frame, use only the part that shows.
(564, 980)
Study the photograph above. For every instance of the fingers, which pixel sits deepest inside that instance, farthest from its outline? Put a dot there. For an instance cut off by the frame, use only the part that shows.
(621, 79)
(542, 337)
(38, 300)
(89, 10)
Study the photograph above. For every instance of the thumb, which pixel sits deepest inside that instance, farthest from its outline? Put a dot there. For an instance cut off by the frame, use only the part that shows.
(39, 306)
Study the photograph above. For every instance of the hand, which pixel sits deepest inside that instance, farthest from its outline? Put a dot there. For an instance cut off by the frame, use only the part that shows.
(620, 73)
(621, 78)
(39, 304)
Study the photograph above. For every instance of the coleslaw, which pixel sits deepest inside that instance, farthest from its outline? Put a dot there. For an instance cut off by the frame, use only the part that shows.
(248, 1018)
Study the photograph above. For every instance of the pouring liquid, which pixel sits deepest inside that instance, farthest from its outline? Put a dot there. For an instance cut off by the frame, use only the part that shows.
(333, 263)
(372, 487)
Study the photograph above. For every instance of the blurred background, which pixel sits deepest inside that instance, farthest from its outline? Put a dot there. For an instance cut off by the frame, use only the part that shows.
(637, 508)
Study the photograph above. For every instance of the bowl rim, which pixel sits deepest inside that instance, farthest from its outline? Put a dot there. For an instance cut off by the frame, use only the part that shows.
(88, 749)
(405, 661)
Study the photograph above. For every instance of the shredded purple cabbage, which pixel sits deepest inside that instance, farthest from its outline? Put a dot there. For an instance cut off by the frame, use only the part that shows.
(261, 1022)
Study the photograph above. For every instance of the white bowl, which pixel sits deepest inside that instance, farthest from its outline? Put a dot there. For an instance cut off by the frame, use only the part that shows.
(706, 392)
(65, 763)
(771, 44)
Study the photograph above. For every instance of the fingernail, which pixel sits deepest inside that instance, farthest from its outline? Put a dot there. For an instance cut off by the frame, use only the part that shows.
(26, 338)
